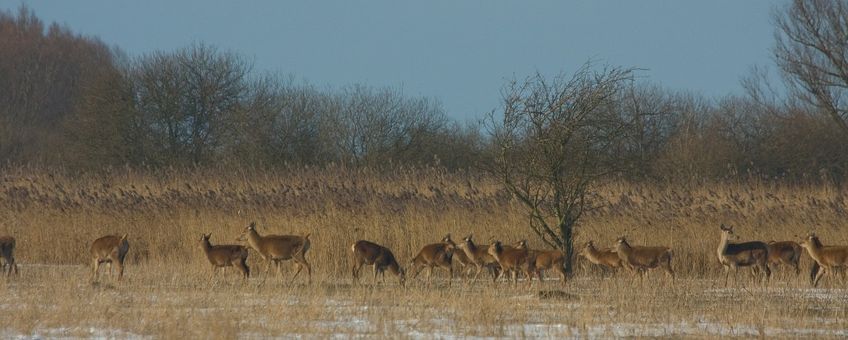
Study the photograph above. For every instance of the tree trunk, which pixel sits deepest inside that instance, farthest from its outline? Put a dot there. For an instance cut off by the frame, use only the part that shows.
(567, 232)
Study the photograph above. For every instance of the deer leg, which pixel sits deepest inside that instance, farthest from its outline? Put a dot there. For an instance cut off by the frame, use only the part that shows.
(416, 269)
(357, 266)
(726, 275)
(95, 267)
(120, 265)
(376, 271)
(477, 274)
(299, 269)
(819, 275)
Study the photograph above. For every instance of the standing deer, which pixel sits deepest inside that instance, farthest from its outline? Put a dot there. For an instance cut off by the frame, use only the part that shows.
(365, 252)
(753, 254)
(278, 248)
(828, 258)
(225, 255)
(641, 259)
(434, 255)
(605, 258)
(111, 249)
(480, 257)
(785, 252)
(514, 260)
(7, 251)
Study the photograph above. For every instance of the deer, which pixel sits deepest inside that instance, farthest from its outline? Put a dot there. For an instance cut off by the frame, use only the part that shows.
(381, 258)
(605, 258)
(479, 257)
(111, 249)
(434, 255)
(278, 248)
(514, 260)
(546, 260)
(754, 254)
(462, 260)
(641, 259)
(225, 255)
(7, 251)
(828, 259)
(785, 252)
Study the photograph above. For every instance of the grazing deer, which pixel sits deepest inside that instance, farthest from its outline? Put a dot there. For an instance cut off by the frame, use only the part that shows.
(7, 251)
(365, 252)
(828, 258)
(278, 248)
(605, 258)
(753, 254)
(547, 260)
(434, 255)
(111, 249)
(225, 255)
(785, 252)
(641, 259)
(479, 257)
(514, 260)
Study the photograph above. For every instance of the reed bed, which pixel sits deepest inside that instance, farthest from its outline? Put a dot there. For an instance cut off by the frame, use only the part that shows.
(167, 291)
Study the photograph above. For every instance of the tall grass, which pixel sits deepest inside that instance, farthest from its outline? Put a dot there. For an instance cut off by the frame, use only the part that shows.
(55, 216)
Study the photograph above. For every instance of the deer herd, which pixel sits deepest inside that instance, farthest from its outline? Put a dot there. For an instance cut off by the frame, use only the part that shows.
(496, 258)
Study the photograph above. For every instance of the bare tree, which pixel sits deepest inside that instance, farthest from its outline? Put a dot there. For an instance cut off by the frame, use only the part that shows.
(553, 142)
(811, 49)
(188, 100)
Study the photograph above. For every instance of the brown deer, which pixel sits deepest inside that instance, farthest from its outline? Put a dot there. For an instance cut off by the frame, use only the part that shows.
(753, 254)
(464, 263)
(641, 259)
(434, 255)
(372, 254)
(111, 249)
(514, 260)
(547, 260)
(479, 257)
(225, 255)
(785, 252)
(828, 259)
(606, 258)
(7, 251)
(278, 248)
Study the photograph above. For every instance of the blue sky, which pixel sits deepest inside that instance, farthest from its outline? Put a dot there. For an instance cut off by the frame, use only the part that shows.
(460, 52)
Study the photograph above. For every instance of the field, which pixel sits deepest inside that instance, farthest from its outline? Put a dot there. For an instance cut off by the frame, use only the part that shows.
(169, 290)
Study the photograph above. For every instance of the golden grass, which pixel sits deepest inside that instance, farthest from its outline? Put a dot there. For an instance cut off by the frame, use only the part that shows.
(167, 290)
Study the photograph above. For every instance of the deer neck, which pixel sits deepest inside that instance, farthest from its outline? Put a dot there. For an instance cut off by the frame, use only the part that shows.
(205, 245)
(471, 248)
(253, 238)
(722, 244)
(814, 250)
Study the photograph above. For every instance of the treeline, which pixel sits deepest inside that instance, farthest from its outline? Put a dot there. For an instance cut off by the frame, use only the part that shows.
(71, 101)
